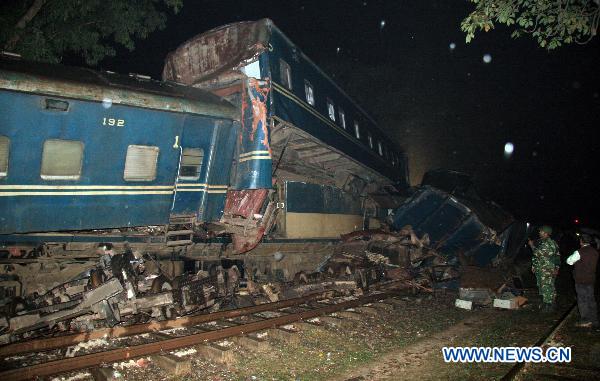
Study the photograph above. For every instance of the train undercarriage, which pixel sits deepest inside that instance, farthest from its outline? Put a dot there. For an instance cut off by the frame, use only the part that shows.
(54, 287)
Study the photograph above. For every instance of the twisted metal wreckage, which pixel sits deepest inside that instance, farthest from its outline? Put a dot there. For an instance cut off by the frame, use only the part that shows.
(431, 237)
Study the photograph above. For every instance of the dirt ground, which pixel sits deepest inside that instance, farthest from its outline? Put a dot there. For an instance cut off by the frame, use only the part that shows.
(403, 344)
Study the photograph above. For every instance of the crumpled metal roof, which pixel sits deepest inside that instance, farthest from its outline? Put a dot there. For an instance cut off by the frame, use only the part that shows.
(217, 51)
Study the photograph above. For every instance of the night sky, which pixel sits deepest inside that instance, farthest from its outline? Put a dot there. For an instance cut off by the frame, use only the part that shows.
(407, 63)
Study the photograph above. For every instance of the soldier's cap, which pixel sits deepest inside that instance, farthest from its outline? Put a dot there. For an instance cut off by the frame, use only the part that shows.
(546, 229)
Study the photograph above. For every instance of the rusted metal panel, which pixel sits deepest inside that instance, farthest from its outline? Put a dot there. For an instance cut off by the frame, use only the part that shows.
(216, 52)
(255, 157)
(245, 203)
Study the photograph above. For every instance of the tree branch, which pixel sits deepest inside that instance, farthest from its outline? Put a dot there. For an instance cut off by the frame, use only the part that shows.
(27, 17)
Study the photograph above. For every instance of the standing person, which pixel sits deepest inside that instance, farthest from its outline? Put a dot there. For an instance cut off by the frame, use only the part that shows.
(545, 264)
(584, 263)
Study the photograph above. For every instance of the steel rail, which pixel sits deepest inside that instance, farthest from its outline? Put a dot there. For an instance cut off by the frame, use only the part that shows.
(73, 339)
(96, 359)
(519, 367)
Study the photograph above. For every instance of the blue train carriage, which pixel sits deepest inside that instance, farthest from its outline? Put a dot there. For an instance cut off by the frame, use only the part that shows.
(300, 131)
(82, 150)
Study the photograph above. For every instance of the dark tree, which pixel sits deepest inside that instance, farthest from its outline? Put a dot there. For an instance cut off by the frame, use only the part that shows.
(45, 30)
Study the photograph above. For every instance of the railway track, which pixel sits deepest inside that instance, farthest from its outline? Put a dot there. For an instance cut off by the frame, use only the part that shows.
(520, 369)
(224, 326)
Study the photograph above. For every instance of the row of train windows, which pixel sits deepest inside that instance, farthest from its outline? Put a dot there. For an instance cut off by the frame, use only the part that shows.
(63, 160)
(286, 79)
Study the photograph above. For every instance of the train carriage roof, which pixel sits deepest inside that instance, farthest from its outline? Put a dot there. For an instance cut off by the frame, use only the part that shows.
(133, 90)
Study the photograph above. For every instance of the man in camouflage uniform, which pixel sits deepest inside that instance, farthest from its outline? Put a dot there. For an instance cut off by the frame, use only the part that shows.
(545, 264)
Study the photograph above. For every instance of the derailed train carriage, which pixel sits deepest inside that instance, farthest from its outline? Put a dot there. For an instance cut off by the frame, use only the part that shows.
(176, 192)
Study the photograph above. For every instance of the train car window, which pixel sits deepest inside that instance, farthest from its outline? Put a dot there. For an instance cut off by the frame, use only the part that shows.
(380, 148)
(331, 109)
(370, 138)
(285, 73)
(140, 163)
(56, 105)
(342, 118)
(62, 159)
(191, 163)
(356, 130)
(310, 94)
(4, 145)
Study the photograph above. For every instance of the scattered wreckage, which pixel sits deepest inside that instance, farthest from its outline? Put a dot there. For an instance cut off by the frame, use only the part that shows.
(119, 290)
(435, 239)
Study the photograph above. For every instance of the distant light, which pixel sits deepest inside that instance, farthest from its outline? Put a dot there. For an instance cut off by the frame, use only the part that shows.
(106, 102)
(487, 58)
(527, 224)
(509, 148)
(452, 46)
(381, 24)
(534, 153)
(337, 50)
(576, 221)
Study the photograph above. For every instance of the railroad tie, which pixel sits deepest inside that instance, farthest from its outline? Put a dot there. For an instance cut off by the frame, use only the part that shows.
(217, 353)
(104, 374)
(172, 364)
(252, 342)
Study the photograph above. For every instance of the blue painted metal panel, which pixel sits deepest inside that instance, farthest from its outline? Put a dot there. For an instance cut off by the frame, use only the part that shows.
(453, 227)
(204, 197)
(315, 198)
(291, 105)
(447, 218)
(466, 238)
(97, 200)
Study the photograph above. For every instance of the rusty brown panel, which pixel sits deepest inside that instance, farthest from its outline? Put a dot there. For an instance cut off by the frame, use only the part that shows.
(95, 359)
(217, 51)
(245, 203)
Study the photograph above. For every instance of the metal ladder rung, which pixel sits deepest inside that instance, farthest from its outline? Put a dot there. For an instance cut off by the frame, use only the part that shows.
(179, 232)
(182, 242)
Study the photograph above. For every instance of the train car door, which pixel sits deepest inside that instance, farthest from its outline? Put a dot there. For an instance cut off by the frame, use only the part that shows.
(194, 166)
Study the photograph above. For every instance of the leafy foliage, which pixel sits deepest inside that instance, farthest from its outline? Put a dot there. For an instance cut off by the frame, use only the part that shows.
(551, 22)
(44, 30)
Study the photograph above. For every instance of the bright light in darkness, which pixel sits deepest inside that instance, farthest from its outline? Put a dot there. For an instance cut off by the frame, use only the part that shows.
(487, 58)
(382, 24)
(452, 46)
(509, 148)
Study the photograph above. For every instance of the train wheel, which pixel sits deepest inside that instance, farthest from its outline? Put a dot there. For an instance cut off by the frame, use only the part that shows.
(161, 284)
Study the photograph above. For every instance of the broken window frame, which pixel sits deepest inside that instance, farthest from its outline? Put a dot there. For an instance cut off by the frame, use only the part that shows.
(370, 139)
(51, 156)
(380, 148)
(309, 91)
(198, 166)
(285, 74)
(331, 109)
(129, 173)
(4, 155)
(356, 130)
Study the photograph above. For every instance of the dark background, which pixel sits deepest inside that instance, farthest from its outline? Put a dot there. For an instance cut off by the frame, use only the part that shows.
(446, 107)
